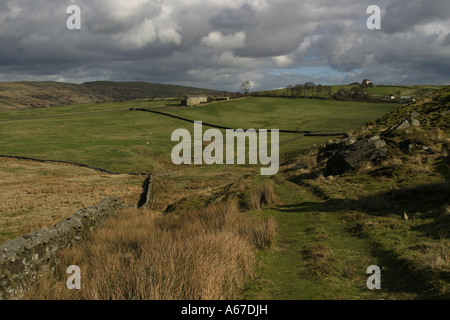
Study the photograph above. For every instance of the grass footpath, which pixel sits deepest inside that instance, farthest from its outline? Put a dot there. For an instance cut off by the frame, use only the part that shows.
(314, 257)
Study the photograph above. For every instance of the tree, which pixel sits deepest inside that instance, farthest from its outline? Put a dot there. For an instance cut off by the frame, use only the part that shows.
(298, 89)
(354, 91)
(329, 91)
(245, 87)
(290, 90)
(308, 88)
(319, 90)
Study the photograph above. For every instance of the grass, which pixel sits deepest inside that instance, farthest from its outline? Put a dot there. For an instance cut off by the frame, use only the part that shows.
(314, 257)
(264, 195)
(37, 195)
(110, 136)
(205, 254)
(287, 114)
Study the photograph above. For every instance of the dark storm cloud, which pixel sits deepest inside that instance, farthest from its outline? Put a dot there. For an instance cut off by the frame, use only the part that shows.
(219, 44)
(232, 20)
(403, 15)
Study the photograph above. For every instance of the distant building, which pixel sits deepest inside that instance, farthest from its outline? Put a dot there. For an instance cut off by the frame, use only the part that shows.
(191, 100)
(340, 95)
(367, 82)
(222, 98)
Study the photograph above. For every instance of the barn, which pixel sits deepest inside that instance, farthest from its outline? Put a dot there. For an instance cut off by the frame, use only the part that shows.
(191, 100)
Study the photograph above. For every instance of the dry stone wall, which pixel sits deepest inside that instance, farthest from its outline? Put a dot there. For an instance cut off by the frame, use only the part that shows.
(24, 259)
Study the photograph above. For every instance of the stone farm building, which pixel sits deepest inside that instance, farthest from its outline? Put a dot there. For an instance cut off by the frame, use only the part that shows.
(222, 98)
(191, 100)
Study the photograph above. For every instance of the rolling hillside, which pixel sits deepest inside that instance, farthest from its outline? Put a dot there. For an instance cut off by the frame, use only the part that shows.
(24, 95)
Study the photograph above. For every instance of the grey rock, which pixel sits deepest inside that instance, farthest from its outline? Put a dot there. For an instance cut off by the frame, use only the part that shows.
(373, 150)
(414, 122)
(332, 148)
(407, 123)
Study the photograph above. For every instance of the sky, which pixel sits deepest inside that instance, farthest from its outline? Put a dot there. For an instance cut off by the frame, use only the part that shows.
(219, 44)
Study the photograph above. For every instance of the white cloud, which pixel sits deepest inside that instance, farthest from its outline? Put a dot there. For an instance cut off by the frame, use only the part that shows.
(229, 60)
(231, 41)
(283, 61)
(137, 38)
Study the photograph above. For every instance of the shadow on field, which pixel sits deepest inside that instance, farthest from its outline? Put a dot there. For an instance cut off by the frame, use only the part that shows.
(443, 167)
(397, 276)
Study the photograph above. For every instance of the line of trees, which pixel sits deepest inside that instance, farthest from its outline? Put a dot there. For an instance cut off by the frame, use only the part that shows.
(309, 90)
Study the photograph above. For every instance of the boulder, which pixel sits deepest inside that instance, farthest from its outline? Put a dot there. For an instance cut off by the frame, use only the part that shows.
(332, 148)
(372, 150)
(402, 126)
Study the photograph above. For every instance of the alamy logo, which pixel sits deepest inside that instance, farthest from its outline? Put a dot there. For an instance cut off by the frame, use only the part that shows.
(214, 151)
(74, 20)
(74, 281)
(374, 281)
(374, 21)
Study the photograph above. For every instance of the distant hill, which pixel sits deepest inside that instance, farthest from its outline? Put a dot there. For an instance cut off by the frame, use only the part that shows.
(24, 95)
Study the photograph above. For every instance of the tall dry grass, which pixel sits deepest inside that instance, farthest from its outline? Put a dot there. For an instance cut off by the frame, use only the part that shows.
(307, 162)
(264, 195)
(138, 254)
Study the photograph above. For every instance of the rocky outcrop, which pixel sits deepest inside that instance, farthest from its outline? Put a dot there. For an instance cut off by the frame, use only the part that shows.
(24, 259)
(351, 155)
(405, 124)
(335, 146)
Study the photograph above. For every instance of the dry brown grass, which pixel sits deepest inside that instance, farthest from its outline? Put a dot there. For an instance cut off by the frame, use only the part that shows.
(140, 254)
(264, 195)
(319, 259)
(307, 162)
(37, 195)
(434, 255)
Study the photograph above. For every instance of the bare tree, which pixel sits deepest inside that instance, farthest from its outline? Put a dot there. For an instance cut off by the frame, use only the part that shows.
(245, 87)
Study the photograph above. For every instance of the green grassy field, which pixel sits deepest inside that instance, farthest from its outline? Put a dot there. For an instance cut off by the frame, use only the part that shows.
(111, 137)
